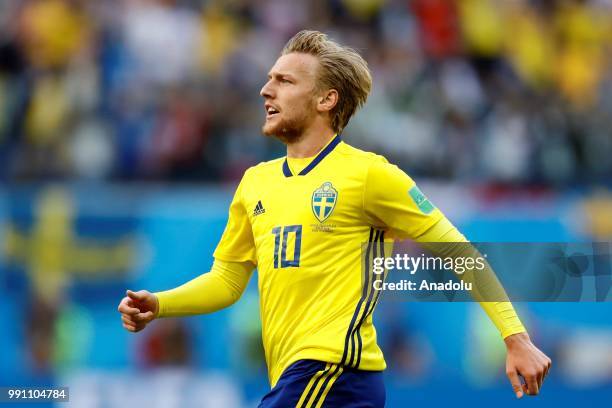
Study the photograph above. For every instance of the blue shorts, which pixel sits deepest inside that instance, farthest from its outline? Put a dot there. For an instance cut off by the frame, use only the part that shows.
(315, 384)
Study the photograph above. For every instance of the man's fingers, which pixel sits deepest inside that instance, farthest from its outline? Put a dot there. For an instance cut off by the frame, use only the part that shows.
(548, 365)
(129, 328)
(126, 309)
(143, 317)
(132, 326)
(540, 380)
(544, 371)
(131, 306)
(531, 380)
(516, 383)
(148, 316)
(127, 320)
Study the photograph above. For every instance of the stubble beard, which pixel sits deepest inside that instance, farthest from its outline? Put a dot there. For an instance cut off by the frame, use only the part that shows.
(287, 130)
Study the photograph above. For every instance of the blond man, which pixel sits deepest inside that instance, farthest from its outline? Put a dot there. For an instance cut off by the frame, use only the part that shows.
(301, 221)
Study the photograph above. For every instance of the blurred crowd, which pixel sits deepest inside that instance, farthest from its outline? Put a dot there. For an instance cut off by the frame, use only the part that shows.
(496, 91)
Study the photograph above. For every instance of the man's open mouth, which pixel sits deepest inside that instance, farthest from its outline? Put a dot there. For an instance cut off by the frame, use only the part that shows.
(271, 111)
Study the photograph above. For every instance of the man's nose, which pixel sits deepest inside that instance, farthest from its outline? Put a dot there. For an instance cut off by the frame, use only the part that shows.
(266, 90)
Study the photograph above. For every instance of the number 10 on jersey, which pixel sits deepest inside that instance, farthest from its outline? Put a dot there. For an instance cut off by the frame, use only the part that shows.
(285, 234)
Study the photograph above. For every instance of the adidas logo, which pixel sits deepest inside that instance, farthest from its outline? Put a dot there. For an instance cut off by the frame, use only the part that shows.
(259, 209)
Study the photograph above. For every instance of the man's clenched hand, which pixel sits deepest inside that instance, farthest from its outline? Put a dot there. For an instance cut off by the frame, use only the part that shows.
(138, 309)
(525, 360)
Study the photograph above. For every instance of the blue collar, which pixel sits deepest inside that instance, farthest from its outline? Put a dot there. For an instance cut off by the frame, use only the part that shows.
(328, 149)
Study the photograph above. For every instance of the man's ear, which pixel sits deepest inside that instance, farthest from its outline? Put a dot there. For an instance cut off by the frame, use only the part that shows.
(327, 101)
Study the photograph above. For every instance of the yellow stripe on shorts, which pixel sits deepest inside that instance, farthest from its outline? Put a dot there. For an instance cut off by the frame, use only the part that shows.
(310, 384)
(327, 388)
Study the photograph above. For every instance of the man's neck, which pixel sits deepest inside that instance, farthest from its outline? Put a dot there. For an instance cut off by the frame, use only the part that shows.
(311, 143)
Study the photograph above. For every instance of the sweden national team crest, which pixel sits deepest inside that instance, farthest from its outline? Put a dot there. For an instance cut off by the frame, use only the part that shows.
(324, 201)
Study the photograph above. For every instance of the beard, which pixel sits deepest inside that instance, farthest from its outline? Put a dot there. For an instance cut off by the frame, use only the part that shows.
(288, 130)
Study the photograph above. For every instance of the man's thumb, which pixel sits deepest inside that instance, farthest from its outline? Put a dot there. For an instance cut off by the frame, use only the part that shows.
(138, 296)
(516, 383)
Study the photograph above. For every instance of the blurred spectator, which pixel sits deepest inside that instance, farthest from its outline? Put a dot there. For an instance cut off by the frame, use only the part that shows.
(161, 38)
(480, 90)
(439, 27)
(54, 32)
(586, 357)
(409, 355)
(168, 344)
(40, 334)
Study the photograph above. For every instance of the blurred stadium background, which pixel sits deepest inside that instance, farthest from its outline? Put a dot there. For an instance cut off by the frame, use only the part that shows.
(125, 125)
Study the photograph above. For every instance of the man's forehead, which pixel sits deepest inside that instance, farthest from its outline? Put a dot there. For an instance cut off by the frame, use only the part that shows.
(295, 64)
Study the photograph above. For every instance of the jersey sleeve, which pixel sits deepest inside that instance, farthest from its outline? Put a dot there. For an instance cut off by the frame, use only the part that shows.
(237, 243)
(209, 292)
(393, 201)
(501, 313)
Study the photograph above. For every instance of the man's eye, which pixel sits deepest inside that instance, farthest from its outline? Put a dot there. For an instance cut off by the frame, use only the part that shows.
(285, 81)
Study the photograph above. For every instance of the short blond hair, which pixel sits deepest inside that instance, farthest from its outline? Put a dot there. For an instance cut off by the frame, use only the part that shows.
(341, 68)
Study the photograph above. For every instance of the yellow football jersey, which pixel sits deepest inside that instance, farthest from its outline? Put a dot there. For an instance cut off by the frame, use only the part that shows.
(305, 233)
